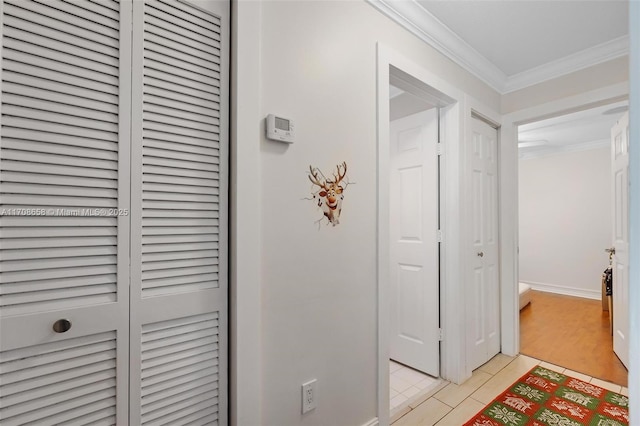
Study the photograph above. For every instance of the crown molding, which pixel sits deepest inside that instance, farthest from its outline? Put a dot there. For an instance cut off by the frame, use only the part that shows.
(595, 55)
(565, 149)
(415, 18)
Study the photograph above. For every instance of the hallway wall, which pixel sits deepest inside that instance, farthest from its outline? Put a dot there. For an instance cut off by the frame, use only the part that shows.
(312, 290)
(318, 283)
(565, 221)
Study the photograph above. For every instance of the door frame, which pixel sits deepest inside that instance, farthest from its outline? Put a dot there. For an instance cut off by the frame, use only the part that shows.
(476, 110)
(452, 360)
(634, 205)
(508, 188)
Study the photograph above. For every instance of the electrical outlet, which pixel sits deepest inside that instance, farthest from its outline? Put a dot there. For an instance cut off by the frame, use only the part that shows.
(309, 396)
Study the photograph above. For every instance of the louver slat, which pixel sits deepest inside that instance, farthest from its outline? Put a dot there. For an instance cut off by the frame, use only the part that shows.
(30, 104)
(168, 13)
(212, 106)
(60, 68)
(58, 156)
(30, 40)
(58, 382)
(181, 154)
(49, 20)
(180, 370)
(67, 38)
(50, 9)
(82, 11)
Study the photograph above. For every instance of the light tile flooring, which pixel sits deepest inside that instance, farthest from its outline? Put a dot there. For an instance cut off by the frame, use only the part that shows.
(407, 384)
(453, 405)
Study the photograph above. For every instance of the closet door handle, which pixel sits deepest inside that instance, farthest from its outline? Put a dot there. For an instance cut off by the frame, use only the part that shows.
(61, 326)
(480, 254)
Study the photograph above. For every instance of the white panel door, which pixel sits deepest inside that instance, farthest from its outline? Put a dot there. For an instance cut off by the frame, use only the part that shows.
(64, 188)
(485, 292)
(415, 301)
(178, 257)
(620, 234)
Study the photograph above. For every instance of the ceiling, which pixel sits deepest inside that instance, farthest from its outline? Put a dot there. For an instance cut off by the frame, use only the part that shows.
(511, 44)
(578, 131)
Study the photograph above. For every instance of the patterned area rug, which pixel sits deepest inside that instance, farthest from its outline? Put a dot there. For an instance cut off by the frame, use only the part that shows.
(544, 397)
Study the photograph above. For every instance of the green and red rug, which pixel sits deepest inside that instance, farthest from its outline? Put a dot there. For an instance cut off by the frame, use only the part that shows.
(544, 397)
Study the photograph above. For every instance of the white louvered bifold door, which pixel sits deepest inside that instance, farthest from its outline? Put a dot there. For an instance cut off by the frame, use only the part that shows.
(178, 257)
(65, 199)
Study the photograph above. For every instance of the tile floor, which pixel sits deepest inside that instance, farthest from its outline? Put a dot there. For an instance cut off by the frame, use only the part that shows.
(406, 384)
(452, 405)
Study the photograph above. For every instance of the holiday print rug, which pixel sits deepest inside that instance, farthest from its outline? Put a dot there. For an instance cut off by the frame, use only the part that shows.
(544, 397)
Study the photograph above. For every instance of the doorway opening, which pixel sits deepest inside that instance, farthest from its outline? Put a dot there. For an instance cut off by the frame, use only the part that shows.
(565, 225)
(413, 116)
(414, 365)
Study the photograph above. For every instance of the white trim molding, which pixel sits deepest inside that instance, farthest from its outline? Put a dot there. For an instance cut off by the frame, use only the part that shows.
(564, 149)
(245, 313)
(595, 55)
(634, 213)
(452, 357)
(415, 18)
(567, 291)
(509, 189)
(372, 422)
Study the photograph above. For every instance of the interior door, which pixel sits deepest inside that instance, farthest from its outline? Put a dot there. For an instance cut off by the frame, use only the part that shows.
(64, 236)
(415, 299)
(620, 189)
(485, 292)
(178, 258)
(114, 117)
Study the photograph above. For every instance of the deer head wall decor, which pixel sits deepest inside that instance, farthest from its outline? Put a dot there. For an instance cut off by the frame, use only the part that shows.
(330, 192)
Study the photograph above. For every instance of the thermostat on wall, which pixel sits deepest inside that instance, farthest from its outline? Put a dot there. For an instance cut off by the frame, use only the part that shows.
(280, 129)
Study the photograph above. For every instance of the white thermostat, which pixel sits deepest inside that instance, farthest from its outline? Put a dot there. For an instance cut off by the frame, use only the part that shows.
(280, 129)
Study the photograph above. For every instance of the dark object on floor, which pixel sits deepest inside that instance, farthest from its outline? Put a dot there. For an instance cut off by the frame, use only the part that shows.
(607, 279)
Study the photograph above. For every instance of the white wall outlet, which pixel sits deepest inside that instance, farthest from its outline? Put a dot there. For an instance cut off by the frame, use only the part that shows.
(309, 396)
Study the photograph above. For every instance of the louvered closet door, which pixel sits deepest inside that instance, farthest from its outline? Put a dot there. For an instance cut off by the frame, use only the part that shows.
(179, 284)
(64, 177)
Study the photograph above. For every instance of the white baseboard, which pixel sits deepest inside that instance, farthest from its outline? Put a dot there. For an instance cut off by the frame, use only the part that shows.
(372, 422)
(567, 291)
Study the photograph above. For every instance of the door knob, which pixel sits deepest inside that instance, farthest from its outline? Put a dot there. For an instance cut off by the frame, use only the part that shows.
(61, 326)
(480, 254)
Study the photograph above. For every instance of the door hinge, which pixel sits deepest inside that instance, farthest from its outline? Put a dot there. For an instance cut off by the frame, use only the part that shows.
(440, 335)
(439, 235)
(439, 148)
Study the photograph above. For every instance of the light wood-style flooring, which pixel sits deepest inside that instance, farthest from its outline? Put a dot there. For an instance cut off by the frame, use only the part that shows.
(571, 332)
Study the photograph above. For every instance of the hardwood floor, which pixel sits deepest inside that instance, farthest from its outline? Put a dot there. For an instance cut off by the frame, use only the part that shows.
(571, 332)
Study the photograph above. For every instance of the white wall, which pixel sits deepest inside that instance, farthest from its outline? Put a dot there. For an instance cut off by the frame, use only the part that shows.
(316, 289)
(318, 286)
(565, 221)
